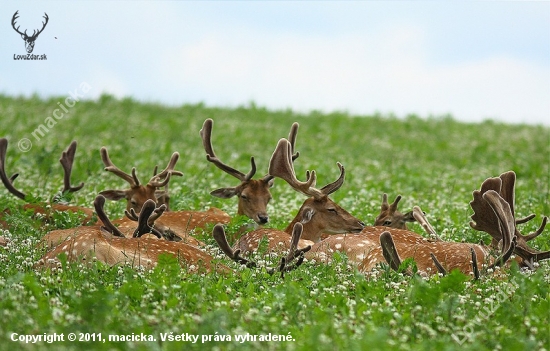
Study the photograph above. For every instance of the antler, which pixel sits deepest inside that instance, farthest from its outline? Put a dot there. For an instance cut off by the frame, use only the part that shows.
(219, 235)
(206, 135)
(166, 173)
(67, 160)
(8, 182)
(110, 166)
(292, 138)
(420, 217)
(15, 17)
(281, 166)
(99, 204)
(499, 193)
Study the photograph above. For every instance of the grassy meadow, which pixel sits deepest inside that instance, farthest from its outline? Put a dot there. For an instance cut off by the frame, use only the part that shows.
(435, 163)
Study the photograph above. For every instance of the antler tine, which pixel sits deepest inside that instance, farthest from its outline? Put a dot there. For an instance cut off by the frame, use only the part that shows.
(109, 166)
(99, 203)
(155, 183)
(169, 168)
(156, 214)
(438, 265)
(143, 219)
(484, 218)
(525, 219)
(385, 204)
(206, 135)
(292, 138)
(475, 267)
(332, 187)
(281, 166)
(67, 160)
(539, 231)
(393, 206)
(420, 217)
(8, 182)
(219, 235)
(132, 215)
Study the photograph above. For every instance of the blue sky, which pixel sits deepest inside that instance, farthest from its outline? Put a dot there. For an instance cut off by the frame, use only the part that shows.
(474, 60)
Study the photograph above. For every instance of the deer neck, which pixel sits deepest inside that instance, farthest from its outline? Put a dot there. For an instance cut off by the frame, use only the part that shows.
(310, 232)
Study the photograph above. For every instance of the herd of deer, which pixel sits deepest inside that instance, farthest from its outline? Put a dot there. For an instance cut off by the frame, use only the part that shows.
(319, 230)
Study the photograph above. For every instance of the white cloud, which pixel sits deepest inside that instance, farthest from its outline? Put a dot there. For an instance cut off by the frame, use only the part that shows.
(387, 72)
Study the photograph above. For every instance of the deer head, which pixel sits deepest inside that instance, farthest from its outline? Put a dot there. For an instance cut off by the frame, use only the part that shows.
(389, 215)
(29, 40)
(138, 193)
(319, 214)
(253, 194)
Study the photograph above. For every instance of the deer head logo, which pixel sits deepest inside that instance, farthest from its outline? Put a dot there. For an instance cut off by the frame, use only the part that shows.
(29, 40)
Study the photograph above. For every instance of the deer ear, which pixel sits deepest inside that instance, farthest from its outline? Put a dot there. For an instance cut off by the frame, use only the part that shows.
(307, 215)
(224, 193)
(408, 217)
(114, 195)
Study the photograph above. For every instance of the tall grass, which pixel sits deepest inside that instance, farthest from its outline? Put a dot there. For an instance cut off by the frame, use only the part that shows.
(435, 163)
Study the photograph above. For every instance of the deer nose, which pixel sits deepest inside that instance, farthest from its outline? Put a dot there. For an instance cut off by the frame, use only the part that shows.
(263, 219)
(362, 223)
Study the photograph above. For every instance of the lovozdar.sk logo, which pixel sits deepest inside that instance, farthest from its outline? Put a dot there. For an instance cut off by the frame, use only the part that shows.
(29, 39)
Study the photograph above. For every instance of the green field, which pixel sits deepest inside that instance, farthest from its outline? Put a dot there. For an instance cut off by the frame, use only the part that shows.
(435, 163)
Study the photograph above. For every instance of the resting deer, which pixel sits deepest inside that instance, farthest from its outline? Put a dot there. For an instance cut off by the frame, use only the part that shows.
(47, 209)
(318, 214)
(175, 225)
(389, 215)
(109, 245)
(377, 244)
(138, 193)
(253, 194)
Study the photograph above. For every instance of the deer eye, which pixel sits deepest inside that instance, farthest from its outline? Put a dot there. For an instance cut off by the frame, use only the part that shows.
(387, 223)
(244, 197)
(333, 210)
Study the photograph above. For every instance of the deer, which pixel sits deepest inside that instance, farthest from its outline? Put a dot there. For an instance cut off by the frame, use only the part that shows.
(493, 214)
(318, 214)
(389, 215)
(175, 225)
(106, 243)
(253, 194)
(48, 208)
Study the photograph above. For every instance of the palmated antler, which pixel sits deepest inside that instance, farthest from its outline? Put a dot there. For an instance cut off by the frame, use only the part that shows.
(8, 181)
(501, 190)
